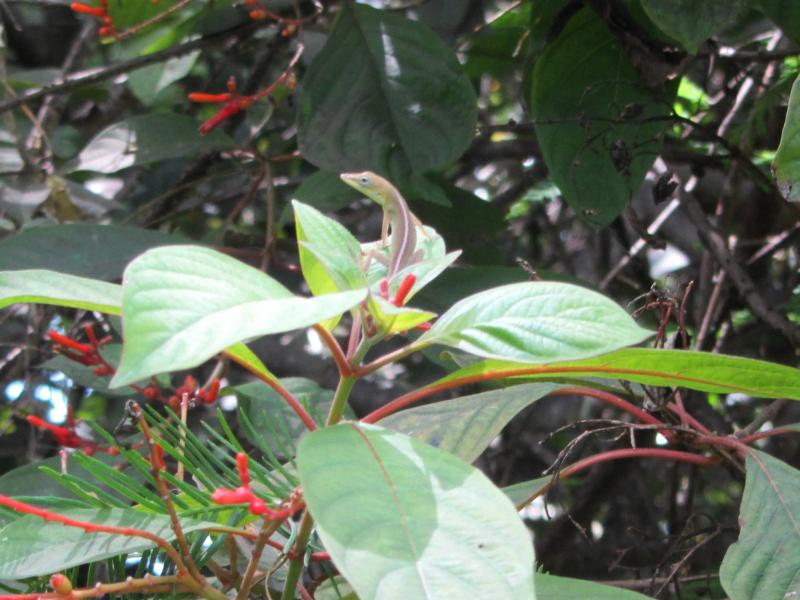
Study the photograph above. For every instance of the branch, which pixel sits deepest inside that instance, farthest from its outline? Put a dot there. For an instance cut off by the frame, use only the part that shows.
(78, 80)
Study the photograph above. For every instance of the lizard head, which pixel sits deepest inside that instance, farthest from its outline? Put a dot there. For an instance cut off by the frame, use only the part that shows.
(368, 183)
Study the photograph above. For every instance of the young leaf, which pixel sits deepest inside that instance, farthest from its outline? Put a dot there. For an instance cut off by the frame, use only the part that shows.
(466, 426)
(183, 304)
(535, 322)
(385, 94)
(786, 165)
(692, 22)
(58, 289)
(700, 371)
(329, 255)
(397, 514)
(390, 319)
(765, 562)
(32, 547)
(596, 121)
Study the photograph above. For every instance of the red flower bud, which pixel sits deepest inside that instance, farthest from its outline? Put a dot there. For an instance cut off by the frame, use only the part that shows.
(61, 584)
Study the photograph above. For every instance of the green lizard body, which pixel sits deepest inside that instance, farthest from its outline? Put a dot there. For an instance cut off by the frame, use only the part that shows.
(395, 215)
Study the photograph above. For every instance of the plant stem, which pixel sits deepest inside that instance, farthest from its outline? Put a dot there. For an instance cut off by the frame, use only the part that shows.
(267, 529)
(340, 400)
(296, 564)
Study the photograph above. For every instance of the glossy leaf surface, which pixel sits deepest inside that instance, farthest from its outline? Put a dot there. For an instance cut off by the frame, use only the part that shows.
(400, 517)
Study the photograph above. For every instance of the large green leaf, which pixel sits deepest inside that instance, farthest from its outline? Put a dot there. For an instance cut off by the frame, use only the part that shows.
(551, 587)
(466, 426)
(596, 123)
(49, 287)
(32, 547)
(786, 165)
(89, 250)
(404, 520)
(691, 22)
(386, 94)
(701, 371)
(183, 304)
(535, 322)
(145, 139)
(765, 562)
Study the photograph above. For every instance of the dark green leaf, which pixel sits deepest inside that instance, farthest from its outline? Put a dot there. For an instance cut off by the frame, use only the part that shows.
(765, 562)
(325, 191)
(97, 251)
(146, 139)
(384, 94)
(596, 123)
(535, 322)
(786, 165)
(785, 14)
(466, 426)
(691, 22)
(397, 514)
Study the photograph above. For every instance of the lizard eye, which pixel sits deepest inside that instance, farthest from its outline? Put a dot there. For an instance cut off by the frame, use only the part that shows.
(364, 180)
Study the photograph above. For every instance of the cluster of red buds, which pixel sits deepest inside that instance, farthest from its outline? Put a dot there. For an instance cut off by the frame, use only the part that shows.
(107, 28)
(86, 354)
(189, 392)
(259, 12)
(257, 506)
(232, 103)
(74, 435)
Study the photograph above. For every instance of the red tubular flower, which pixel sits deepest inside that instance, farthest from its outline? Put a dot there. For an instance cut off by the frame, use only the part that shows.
(404, 289)
(201, 97)
(95, 11)
(65, 342)
(230, 109)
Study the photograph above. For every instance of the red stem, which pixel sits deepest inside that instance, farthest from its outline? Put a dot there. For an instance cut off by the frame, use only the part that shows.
(642, 415)
(590, 461)
(293, 402)
(345, 370)
(29, 509)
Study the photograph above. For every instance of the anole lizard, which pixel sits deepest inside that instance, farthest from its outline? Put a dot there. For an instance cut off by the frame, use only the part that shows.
(395, 215)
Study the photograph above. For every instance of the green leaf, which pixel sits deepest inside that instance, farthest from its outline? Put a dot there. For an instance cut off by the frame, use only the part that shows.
(390, 319)
(145, 139)
(765, 562)
(325, 191)
(263, 406)
(49, 287)
(247, 358)
(330, 256)
(692, 22)
(700, 371)
(183, 304)
(385, 94)
(32, 547)
(551, 587)
(520, 492)
(89, 250)
(535, 322)
(585, 95)
(466, 426)
(147, 82)
(397, 514)
(786, 166)
(785, 14)
(128, 14)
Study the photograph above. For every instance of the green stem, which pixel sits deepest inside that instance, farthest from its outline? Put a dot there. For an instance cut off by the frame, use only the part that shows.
(296, 564)
(340, 400)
